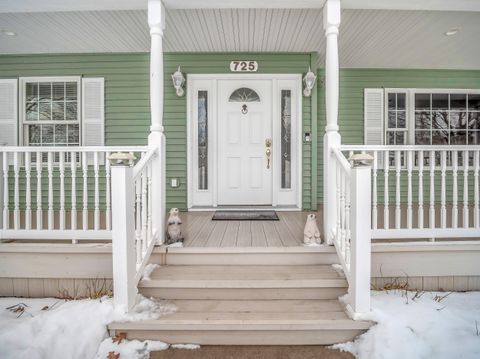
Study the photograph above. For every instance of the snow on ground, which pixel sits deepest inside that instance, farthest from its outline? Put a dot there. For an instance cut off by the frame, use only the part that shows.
(147, 272)
(420, 325)
(54, 328)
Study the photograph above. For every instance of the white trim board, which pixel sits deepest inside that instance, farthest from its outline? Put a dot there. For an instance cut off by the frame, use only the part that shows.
(209, 82)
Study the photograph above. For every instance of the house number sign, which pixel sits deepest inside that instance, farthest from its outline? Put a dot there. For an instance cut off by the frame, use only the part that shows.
(243, 66)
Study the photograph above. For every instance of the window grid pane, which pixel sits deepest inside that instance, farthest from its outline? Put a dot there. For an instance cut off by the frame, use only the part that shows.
(54, 102)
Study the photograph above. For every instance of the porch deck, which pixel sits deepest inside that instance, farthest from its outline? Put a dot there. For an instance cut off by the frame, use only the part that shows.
(201, 231)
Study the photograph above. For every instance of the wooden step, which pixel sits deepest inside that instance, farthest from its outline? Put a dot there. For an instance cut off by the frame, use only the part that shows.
(239, 256)
(255, 322)
(244, 282)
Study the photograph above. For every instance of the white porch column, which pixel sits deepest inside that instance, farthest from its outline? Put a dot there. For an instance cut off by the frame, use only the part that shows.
(331, 22)
(156, 139)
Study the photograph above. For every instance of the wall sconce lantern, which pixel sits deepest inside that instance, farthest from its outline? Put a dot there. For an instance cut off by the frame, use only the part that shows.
(178, 81)
(308, 83)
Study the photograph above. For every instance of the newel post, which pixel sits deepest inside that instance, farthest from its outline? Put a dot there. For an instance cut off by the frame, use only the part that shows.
(331, 22)
(156, 139)
(123, 231)
(361, 233)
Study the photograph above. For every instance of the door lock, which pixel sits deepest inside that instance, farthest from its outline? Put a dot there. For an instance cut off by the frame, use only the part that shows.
(268, 150)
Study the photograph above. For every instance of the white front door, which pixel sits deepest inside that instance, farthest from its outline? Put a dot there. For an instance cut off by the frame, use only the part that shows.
(244, 123)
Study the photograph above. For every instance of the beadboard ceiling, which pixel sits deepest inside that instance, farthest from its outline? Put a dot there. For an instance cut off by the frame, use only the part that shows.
(368, 38)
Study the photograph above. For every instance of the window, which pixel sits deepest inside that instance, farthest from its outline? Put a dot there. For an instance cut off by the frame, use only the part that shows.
(244, 94)
(202, 140)
(432, 117)
(286, 140)
(50, 113)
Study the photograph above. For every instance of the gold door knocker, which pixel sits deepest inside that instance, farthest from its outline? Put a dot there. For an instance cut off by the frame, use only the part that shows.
(268, 151)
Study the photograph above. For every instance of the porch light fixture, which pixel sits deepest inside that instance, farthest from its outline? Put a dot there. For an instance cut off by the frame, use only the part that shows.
(178, 81)
(308, 83)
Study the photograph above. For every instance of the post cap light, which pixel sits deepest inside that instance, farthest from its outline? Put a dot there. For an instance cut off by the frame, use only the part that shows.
(308, 82)
(178, 81)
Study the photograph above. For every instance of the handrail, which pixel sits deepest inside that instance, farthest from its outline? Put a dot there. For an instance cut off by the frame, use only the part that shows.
(139, 167)
(361, 147)
(342, 160)
(73, 148)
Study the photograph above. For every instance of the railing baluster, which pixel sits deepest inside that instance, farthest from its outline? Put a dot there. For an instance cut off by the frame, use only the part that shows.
(374, 190)
(85, 191)
(61, 166)
(342, 212)
(16, 191)
(409, 189)
(149, 200)
(476, 189)
(443, 209)
(347, 220)
(108, 208)
(28, 191)
(420, 190)
(455, 189)
(138, 223)
(398, 168)
(338, 185)
(39, 190)
(50, 190)
(431, 213)
(6, 214)
(386, 210)
(143, 180)
(465, 190)
(97, 192)
(73, 195)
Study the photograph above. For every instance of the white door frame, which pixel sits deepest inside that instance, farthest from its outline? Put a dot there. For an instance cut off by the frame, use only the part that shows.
(208, 198)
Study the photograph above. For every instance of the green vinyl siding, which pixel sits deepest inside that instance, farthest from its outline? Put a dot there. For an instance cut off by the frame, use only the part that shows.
(350, 118)
(127, 111)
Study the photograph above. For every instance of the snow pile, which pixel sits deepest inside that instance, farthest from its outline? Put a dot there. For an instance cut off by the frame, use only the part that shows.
(130, 349)
(54, 328)
(149, 268)
(420, 325)
(186, 346)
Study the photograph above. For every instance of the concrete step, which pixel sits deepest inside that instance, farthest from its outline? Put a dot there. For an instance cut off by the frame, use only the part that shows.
(245, 282)
(254, 322)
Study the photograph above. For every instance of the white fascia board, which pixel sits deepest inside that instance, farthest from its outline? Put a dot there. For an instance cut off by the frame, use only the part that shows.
(13, 6)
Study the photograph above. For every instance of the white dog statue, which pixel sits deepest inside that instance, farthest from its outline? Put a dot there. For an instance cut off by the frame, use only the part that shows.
(311, 233)
(174, 230)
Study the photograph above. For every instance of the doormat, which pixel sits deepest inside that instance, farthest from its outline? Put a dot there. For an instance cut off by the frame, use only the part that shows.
(245, 216)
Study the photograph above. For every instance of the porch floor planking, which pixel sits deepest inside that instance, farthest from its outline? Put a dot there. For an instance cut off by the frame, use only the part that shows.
(201, 231)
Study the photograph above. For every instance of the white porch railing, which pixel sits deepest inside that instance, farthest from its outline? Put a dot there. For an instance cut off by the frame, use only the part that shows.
(57, 193)
(135, 223)
(424, 192)
(351, 235)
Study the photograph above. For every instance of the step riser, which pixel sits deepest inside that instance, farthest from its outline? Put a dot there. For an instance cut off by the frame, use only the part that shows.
(246, 337)
(243, 294)
(243, 259)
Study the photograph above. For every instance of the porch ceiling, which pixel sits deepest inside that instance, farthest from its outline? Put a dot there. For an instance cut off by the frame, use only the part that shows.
(369, 38)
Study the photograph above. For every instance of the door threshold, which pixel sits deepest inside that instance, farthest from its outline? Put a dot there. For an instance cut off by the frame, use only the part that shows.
(244, 208)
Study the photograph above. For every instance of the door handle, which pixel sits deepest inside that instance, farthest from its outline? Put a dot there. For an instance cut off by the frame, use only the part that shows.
(268, 151)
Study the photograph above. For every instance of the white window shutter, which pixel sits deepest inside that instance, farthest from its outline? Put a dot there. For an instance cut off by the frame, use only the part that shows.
(8, 112)
(93, 113)
(373, 117)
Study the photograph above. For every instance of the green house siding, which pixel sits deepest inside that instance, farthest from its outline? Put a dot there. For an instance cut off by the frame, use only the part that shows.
(127, 111)
(352, 84)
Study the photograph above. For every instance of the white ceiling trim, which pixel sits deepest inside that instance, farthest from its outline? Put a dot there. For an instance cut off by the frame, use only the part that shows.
(10, 6)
